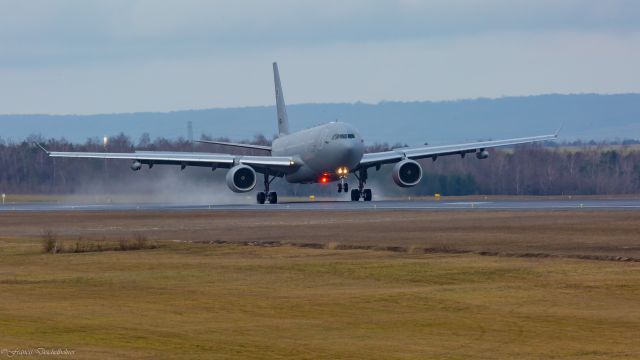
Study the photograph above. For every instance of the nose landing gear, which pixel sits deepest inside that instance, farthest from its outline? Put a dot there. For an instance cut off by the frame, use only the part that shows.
(343, 186)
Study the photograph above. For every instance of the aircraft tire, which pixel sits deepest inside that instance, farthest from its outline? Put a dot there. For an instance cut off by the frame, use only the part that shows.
(273, 198)
(355, 195)
(367, 195)
(260, 197)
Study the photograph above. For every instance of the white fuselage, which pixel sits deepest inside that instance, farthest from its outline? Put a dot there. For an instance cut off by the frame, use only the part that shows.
(320, 151)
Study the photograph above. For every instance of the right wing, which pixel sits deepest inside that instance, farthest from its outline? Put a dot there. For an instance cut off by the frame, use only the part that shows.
(277, 164)
(415, 153)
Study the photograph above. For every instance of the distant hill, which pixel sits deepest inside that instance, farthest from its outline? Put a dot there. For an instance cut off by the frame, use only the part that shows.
(585, 116)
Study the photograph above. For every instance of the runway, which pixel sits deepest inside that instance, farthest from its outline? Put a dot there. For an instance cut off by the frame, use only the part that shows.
(443, 205)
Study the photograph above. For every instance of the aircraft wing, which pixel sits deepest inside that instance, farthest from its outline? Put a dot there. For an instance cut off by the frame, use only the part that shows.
(392, 156)
(260, 163)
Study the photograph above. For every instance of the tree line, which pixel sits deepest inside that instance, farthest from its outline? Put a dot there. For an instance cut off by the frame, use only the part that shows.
(523, 170)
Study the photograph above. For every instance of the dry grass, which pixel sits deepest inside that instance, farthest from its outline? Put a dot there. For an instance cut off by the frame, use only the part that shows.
(53, 245)
(189, 301)
(50, 242)
(332, 245)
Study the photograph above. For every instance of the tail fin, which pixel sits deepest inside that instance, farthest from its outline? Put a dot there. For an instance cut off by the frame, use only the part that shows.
(283, 120)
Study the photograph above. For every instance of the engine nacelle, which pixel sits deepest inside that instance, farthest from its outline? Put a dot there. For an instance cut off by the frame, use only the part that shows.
(482, 154)
(407, 173)
(241, 178)
(136, 165)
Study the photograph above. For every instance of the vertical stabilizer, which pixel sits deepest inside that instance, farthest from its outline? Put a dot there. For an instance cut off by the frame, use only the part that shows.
(283, 120)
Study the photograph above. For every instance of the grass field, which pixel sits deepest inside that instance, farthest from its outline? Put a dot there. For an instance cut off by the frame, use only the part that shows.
(191, 300)
(211, 301)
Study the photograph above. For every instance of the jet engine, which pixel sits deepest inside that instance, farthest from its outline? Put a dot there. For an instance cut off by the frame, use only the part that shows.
(241, 178)
(407, 173)
(136, 165)
(482, 154)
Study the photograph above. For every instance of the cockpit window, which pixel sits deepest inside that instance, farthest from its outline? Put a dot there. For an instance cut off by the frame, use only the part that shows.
(343, 136)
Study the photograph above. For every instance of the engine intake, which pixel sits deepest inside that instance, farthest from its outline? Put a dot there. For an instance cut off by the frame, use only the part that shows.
(241, 178)
(407, 173)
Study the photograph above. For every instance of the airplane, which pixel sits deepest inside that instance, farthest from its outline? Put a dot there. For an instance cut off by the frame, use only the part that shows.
(323, 154)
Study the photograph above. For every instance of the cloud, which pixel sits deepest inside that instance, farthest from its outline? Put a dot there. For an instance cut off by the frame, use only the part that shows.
(71, 32)
(88, 56)
(485, 65)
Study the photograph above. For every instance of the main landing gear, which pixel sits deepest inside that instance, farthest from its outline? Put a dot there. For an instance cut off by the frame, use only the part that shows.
(271, 197)
(365, 194)
(361, 192)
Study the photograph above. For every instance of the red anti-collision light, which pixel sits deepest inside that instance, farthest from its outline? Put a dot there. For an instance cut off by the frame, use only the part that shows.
(324, 178)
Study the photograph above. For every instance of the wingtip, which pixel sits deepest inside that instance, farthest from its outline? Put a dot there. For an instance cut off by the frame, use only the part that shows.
(42, 147)
(559, 129)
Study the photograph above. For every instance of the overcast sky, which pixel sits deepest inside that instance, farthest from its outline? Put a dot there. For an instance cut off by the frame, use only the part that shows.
(111, 56)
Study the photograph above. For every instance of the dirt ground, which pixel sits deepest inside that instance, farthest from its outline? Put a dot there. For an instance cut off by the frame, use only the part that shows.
(521, 233)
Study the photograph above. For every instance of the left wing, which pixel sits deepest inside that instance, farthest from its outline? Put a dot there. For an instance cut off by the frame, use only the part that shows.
(260, 163)
(414, 153)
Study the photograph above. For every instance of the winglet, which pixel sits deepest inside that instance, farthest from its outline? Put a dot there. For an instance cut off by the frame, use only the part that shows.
(559, 129)
(42, 147)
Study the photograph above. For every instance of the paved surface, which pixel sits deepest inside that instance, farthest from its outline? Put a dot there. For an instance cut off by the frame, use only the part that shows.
(343, 205)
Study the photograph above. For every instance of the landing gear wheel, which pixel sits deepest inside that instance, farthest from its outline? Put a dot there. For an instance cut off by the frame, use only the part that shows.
(346, 187)
(340, 188)
(356, 194)
(266, 195)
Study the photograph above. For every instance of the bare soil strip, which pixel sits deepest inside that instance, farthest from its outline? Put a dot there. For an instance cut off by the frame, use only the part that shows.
(599, 235)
